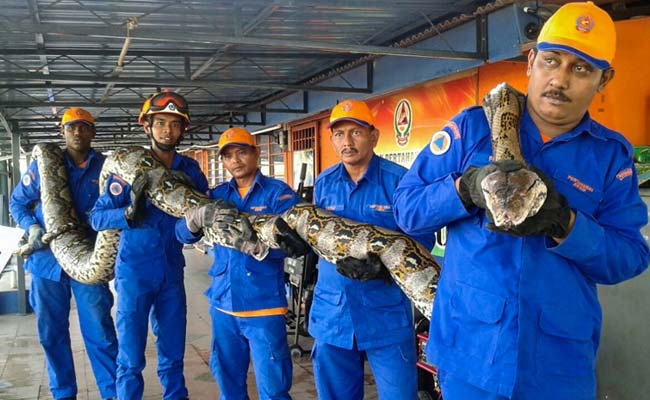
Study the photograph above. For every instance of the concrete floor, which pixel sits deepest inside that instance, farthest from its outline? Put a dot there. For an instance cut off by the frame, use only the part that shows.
(22, 363)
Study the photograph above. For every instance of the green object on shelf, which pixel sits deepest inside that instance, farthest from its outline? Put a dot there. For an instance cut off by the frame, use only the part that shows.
(643, 172)
(642, 154)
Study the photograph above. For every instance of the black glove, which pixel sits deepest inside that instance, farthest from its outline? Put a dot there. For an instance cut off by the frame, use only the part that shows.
(210, 214)
(469, 188)
(552, 219)
(363, 270)
(289, 241)
(135, 212)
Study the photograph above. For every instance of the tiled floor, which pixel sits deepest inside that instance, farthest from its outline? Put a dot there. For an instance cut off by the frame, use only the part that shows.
(22, 364)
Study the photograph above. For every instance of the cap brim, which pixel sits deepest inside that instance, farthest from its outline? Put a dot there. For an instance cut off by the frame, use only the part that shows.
(356, 121)
(234, 144)
(598, 63)
(79, 120)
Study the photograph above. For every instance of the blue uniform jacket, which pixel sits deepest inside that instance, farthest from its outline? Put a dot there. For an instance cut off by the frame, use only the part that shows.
(526, 308)
(375, 313)
(26, 209)
(241, 283)
(149, 251)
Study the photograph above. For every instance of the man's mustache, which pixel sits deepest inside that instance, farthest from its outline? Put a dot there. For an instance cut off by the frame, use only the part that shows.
(556, 94)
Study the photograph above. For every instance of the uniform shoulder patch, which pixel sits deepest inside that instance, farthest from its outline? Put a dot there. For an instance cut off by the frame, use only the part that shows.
(115, 188)
(440, 143)
(27, 180)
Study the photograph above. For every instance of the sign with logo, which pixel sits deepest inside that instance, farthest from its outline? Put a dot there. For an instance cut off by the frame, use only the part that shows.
(402, 122)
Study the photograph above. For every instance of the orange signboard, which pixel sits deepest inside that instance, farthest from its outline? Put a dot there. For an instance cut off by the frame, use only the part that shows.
(407, 119)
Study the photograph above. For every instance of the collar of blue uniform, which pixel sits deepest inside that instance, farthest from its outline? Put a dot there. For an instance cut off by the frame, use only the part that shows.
(584, 126)
(371, 175)
(91, 156)
(258, 181)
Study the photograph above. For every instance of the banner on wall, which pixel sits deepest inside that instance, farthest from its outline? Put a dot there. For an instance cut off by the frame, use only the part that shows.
(407, 119)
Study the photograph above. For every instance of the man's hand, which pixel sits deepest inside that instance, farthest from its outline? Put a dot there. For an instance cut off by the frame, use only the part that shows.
(218, 212)
(363, 270)
(289, 241)
(134, 213)
(35, 237)
(469, 185)
(553, 219)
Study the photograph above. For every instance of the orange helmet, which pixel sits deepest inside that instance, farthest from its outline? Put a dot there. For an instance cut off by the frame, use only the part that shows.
(76, 114)
(166, 102)
(352, 110)
(237, 137)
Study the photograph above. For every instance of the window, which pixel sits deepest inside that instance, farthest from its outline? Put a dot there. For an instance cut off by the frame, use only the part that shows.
(271, 156)
(303, 143)
(215, 173)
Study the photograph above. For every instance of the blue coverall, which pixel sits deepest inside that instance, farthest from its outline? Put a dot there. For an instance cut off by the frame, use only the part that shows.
(519, 317)
(51, 287)
(349, 318)
(242, 284)
(149, 284)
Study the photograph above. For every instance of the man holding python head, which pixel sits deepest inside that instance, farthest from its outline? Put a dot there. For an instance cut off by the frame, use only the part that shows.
(247, 296)
(516, 314)
(149, 265)
(51, 287)
(358, 311)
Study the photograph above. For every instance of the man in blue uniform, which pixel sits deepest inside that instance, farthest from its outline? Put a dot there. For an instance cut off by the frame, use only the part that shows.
(368, 316)
(149, 265)
(517, 314)
(51, 286)
(247, 297)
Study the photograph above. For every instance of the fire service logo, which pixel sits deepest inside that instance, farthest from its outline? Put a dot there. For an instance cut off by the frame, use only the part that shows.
(402, 121)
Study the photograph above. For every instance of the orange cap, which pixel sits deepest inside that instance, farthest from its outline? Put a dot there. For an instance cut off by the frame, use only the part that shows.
(352, 110)
(76, 114)
(236, 137)
(582, 29)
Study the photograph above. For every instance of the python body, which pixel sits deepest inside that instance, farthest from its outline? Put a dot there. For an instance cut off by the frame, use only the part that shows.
(332, 237)
(412, 267)
(511, 196)
(67, 237)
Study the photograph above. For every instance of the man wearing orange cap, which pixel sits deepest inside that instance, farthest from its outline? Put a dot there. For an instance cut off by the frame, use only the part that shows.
(516, 314)
(149, 266)
(247, 297)
(358, 312)
(51, 287)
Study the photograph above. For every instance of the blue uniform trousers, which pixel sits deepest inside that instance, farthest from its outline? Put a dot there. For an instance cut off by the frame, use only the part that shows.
(338, 372)
(235, 340)
(51, 302)
(165, 304)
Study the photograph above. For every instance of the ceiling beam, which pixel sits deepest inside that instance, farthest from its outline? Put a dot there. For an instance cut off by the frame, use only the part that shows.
(170, 35)
(74, 79)
(180, 53)
(135, 104)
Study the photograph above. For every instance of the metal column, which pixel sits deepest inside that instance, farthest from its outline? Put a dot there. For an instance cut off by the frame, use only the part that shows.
(15, 173)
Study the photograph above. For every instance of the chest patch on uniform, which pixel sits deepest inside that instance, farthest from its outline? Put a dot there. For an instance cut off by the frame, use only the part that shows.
(626, 173)
(285, 197)
(115, 189)
(27, 180)
(380, 207)
(258, 208)
(440, 143)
